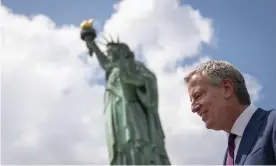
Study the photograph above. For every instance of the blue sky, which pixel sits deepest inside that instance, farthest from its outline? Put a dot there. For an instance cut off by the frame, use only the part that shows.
(245, 30)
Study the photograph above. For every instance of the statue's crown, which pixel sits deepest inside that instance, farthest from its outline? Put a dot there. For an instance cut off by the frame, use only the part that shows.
(111, 42)
(117, 43)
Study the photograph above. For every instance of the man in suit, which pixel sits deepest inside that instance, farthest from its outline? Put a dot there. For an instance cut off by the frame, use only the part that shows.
(219, 96)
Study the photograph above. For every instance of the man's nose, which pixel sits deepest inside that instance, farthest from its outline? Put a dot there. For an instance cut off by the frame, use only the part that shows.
(195, 108)
(193, 104)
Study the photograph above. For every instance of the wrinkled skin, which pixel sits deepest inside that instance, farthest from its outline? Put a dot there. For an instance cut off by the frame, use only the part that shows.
(210, 102)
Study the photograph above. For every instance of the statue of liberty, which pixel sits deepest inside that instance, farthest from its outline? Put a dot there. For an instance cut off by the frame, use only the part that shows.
(134, 131)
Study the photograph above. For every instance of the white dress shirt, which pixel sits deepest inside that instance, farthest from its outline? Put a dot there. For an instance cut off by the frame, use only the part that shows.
(240, 124)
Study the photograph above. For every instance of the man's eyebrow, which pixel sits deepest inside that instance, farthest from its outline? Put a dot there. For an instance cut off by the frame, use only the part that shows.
(195, 90)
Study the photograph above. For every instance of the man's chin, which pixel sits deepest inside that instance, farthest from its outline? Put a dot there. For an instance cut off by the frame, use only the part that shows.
(210, 126)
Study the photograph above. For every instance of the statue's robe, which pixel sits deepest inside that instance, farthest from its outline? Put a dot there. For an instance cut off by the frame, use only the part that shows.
(134, 131)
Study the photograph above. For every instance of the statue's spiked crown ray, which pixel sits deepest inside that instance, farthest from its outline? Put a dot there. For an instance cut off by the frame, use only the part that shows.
(111, 41)
(88, 24)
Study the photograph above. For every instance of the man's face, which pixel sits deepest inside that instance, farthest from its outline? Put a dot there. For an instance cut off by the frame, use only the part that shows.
(207, 101)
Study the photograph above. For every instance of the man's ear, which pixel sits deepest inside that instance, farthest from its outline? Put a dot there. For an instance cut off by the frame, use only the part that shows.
(228, 88)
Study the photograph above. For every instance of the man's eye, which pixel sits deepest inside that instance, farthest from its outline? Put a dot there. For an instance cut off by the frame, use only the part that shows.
(197, 95)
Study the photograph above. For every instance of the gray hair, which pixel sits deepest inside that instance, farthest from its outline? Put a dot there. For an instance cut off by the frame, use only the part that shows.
(216, 71)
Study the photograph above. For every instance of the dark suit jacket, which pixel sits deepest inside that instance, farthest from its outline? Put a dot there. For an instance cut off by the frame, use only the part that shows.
(258, 143)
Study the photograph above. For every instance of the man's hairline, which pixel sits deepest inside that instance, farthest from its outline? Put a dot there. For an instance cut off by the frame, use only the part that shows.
(203, 73)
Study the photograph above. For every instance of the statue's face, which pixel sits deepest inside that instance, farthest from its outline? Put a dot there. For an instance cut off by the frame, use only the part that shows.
(113, 52)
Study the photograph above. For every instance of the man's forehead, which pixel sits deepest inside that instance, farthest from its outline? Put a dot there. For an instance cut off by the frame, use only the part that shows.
(197, 79)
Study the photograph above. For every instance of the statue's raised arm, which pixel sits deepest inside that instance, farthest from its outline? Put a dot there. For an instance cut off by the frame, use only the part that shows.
(88, 34)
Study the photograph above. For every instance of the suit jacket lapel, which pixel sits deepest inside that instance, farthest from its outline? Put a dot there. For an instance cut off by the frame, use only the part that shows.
(250, 136)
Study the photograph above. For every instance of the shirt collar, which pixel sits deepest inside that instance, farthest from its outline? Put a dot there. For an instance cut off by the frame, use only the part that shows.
(242, 121)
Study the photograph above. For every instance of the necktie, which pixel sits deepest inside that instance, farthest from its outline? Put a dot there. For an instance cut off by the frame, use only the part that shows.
(231, 149)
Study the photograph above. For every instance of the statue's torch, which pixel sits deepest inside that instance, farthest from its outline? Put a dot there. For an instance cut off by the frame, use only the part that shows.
(88, 33)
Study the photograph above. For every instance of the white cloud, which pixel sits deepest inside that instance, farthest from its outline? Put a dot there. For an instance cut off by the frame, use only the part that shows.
(52, 105)
(254, 86)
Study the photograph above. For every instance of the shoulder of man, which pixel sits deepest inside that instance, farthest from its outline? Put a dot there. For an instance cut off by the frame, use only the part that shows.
(271, 122)
(272, 116)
